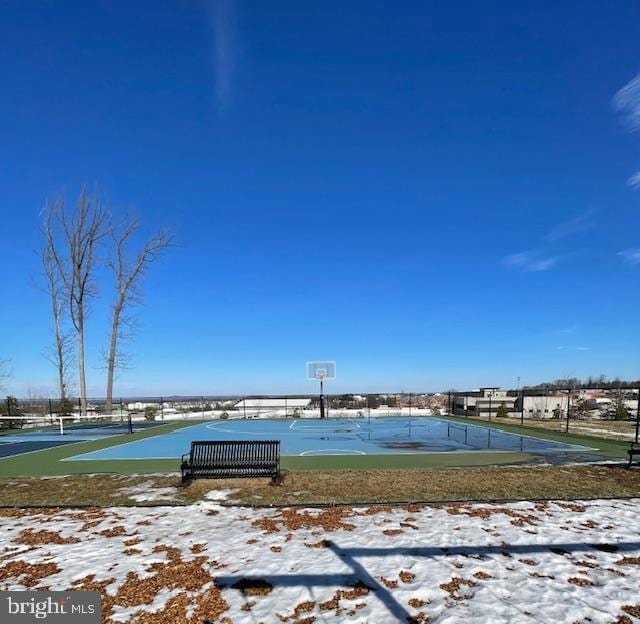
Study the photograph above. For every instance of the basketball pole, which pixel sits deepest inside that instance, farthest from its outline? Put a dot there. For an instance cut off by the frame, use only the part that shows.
(321, 398)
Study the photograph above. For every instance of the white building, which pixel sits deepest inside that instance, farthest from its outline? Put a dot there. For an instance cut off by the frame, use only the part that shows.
(544, 406)
(271, 407)
(484, 402)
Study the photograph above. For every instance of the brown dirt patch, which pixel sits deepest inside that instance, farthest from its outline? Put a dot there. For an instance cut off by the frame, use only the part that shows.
(455, 585)
(416, 603)
(27, 574)
(116, 531)
(321, 544)
(633, 610)
(253, 587)
(35, 538)
(331, 519)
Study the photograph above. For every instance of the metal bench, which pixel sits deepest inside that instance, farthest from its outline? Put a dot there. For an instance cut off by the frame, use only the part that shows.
(217, 459)
(634, 449)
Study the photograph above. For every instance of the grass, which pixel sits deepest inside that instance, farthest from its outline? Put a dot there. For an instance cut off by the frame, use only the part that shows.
(608, 429)
(606, 448)
(343, 486)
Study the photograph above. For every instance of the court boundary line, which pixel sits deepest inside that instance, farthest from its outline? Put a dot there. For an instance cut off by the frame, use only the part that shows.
(349, 453)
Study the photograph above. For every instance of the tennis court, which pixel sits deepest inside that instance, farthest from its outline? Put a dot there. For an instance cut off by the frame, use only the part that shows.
(40, 433)
(306, 437)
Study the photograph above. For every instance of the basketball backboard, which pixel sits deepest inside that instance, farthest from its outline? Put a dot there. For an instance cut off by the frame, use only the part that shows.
(321, 371)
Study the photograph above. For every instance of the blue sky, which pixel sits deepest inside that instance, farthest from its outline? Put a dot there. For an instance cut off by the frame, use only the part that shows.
(433, 194)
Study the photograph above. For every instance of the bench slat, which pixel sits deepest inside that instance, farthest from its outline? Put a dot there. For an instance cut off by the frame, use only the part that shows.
(232, 458)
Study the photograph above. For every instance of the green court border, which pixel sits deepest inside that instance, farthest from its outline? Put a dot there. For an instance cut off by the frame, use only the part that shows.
(48, 462)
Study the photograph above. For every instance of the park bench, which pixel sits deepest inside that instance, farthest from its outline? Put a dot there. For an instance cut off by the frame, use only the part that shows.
(217, 459)
(634, 449)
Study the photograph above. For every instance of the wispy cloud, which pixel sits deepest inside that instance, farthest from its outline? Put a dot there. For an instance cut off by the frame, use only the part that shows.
(634, 181)
(530, 262)
(563, 348)
(224, 49)
(564, 331)
(580, 223)
(627, 102)
(547, 254)
(632, 256)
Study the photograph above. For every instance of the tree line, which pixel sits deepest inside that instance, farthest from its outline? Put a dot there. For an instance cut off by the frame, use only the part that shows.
(79, 243)
(600, 382)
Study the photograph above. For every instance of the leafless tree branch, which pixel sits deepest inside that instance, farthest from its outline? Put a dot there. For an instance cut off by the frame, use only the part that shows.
(128, 274)
(72, 242)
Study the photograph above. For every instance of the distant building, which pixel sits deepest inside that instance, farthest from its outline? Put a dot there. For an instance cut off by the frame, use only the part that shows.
(544, 405)
(141, 405)
(484, 402)
(275, 407)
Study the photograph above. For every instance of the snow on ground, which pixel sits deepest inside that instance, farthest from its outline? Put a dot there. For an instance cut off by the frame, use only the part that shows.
(147, 492)
(220, 495)
(520, 562)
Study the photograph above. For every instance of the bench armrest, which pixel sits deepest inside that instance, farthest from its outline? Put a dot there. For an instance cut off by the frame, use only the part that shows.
(187, 455)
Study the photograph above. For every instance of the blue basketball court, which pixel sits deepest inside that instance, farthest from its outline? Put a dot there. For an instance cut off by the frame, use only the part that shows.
(306, 437)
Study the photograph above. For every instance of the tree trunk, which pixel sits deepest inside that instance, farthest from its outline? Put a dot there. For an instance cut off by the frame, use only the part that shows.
(81, 376)
(60, 353)
(111, 359)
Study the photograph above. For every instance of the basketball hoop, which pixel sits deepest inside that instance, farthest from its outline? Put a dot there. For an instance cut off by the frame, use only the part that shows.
(321, 371)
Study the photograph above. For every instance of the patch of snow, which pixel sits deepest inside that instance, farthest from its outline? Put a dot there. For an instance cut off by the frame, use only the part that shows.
(220, 495)
(147, 492)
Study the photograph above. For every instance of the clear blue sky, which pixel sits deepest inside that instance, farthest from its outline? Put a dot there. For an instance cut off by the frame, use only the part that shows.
(433, 194)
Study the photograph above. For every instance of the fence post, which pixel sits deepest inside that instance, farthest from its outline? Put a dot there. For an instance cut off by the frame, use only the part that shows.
(410, 397)
(162, 408)
(638, 417)
(244, 407)
(522, 408)
(80, 407)
(120, 410)
(50, 412)
(489, 407)
(8, 407)
(566, 430)
(285, 405)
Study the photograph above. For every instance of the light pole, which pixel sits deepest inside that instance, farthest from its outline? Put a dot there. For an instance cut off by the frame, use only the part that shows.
(637, 418)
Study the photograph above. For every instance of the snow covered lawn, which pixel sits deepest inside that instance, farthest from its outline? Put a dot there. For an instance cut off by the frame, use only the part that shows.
(519, 562)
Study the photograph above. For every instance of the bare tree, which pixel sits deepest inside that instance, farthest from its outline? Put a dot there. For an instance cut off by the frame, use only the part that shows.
(60, 354)
(128, 274)
(4, 374)
(75, 258)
